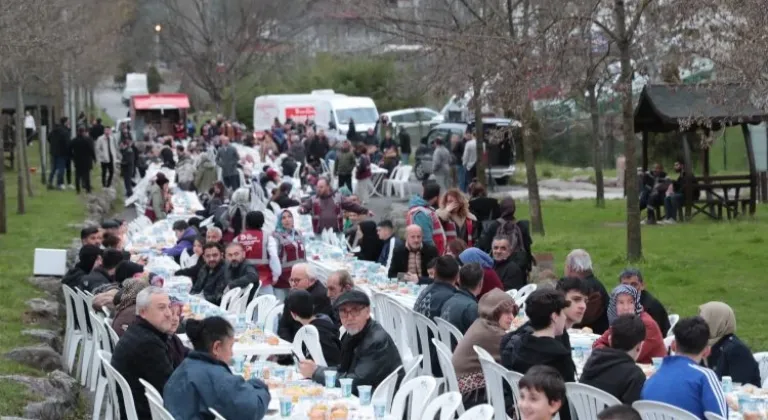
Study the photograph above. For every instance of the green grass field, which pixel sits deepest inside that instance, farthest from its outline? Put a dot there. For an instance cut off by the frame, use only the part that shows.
(685, 265)
(43, 226)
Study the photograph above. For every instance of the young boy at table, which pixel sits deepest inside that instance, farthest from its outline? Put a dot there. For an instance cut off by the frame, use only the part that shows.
(613, 369)
(681, 380)
(542, 393)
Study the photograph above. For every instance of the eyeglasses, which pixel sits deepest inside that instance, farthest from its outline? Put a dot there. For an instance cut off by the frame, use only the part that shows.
(294, 280)
(350, 312)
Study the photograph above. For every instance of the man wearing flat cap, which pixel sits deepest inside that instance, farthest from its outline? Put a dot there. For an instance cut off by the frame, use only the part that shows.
(368, 353)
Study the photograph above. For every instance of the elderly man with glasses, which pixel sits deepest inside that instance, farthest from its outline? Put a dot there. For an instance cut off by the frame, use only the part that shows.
(368, 353)
(303, 278)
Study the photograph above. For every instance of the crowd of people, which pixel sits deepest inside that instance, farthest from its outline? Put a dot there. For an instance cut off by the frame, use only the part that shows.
(467, 251)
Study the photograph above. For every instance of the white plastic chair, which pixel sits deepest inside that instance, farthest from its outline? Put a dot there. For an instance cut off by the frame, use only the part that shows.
(668, 340)
(261, 305)
(309, 336)
(216, 414)
(425, 328)
(673, 318)
(386, 388)
(412, 367)
(72, 335)
(478, 412)
(419, 391)
(402, 182)
(151, 390)
(445, 404)
(387, 182)
(93, 370)
(449, 372)
(113, 337)
(524, 292)
(512, 293)
(156, 408)
(116, 380)
(227, 298)
(449, 334)
(762, 362)
(495, 376)
(712, 416)
(653, 410)
(239, 303)
(101, 380)
(87, 347)
(187, 259)
(588, 401)
(270, 323)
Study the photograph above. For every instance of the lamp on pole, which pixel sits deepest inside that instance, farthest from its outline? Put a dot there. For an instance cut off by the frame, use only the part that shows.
(158, 29)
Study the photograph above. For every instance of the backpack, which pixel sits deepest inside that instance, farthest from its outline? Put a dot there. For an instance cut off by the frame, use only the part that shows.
(513, 232)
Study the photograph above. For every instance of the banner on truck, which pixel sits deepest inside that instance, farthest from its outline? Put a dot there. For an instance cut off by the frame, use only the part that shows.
(300, 113)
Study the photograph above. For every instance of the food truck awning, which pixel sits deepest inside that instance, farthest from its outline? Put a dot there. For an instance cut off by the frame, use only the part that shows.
(160, 101)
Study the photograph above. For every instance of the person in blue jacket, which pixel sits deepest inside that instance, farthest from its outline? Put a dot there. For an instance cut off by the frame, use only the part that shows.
(729, 356)
(185, 240)
(203, 380)
(681, 381)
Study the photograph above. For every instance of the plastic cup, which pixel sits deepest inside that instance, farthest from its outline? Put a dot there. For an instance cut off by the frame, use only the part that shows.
(657, 362)
(379, 408)
(364, 393)
(346, 387)
(727, 384)
(330, 379)
(286, 406)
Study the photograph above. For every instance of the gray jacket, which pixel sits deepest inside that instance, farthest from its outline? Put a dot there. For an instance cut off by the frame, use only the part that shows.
(460, 310)
(227, 159)
(441, 161)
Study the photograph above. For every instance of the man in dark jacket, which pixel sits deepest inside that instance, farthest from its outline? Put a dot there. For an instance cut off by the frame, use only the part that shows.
(97, 130)
(578, 264)
(240, 274)
(302, 311)
(433, 298)
(518, 230)
(536, 344)
(461, 309)
(655, 309)
(386, 232)
(283, 198)
(412, 256)
(212, 278)
(104, 273)
(303, 279)
(127, 164)
(60, 150)
(88, 256)
(142, 352)
(613, 369)
(509, 272)
(405, 145)
(368, 353)
(83, 154)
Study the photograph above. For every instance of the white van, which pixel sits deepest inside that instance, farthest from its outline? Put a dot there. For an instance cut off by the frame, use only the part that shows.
(135, 84)
(331, 111)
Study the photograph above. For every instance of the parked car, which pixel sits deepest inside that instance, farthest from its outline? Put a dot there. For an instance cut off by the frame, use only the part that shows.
(501, 135)
(416, 121)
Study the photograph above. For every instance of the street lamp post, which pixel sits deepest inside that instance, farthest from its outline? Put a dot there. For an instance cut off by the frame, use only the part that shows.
(158, 29)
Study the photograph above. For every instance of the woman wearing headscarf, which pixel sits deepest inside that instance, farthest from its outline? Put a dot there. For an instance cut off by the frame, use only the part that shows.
(369, 241)
(625, 300)
(491, 280)
(125, 310)
(458, 222)
(290, 248)
(238, 208)
(729, 356)
(518, 232)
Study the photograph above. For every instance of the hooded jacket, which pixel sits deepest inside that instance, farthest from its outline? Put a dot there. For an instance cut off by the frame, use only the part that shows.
(596, 315)
(521, 350)
(421, 219)
(510, 274)
(205, 174)
(186, 242)
(460, 309)
(614, 372)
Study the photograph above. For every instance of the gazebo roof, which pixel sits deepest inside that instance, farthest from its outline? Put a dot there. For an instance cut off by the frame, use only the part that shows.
(663, 108)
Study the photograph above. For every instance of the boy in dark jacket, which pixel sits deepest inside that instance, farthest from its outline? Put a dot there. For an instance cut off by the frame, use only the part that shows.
(302, 310)
(461, 309)
(613, 369)
(212, 279)
(536, 344)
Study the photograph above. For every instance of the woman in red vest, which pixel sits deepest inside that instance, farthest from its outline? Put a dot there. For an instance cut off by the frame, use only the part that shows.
(454, 214)
(290, 248)
(260, 251)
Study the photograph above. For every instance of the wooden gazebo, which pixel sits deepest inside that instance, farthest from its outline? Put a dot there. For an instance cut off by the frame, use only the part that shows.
(711, 107)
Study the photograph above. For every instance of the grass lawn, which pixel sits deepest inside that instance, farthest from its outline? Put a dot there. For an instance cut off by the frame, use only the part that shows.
(43, 226)
(685, 265)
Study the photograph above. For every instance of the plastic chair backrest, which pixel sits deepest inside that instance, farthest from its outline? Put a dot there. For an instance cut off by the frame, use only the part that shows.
(270, 323)
(588, 401)
(712, 416)
(419, 391)
(151, 389)
(512, 293)
(309, 336)
(495, 376)
(449, 334)
(386, 389)
(227, 298)
(424, 328)
(403, 330)
(445, 404)
(673, 318)
(668, 340)
(100, 334)
(79, 303)
(654, 410)
(156, 408)
(412, 367)
(524, 292)
(478, 412)
(115, 380)
(261, 305)
(239, 303)
(113, 337)
(449, 372)
(185, 258)
(216, 414)
(762, 362)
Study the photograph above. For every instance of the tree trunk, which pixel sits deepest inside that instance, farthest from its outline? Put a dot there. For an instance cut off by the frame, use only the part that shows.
(597, 146)
(232, 100)
(20, 146)
(92, 101)
(477, 100)
(534, 200)
(634, 239)
(23, 159)
(3, 201)
(78, 108)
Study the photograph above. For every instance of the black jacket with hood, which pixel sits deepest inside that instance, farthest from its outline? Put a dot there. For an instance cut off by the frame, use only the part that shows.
(614, 372)
(521, 350)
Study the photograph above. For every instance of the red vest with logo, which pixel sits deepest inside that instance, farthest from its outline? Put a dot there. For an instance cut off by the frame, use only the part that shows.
(316, 211)
(450, 231)
(291, 251)
(255, 244)
(438, 234)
